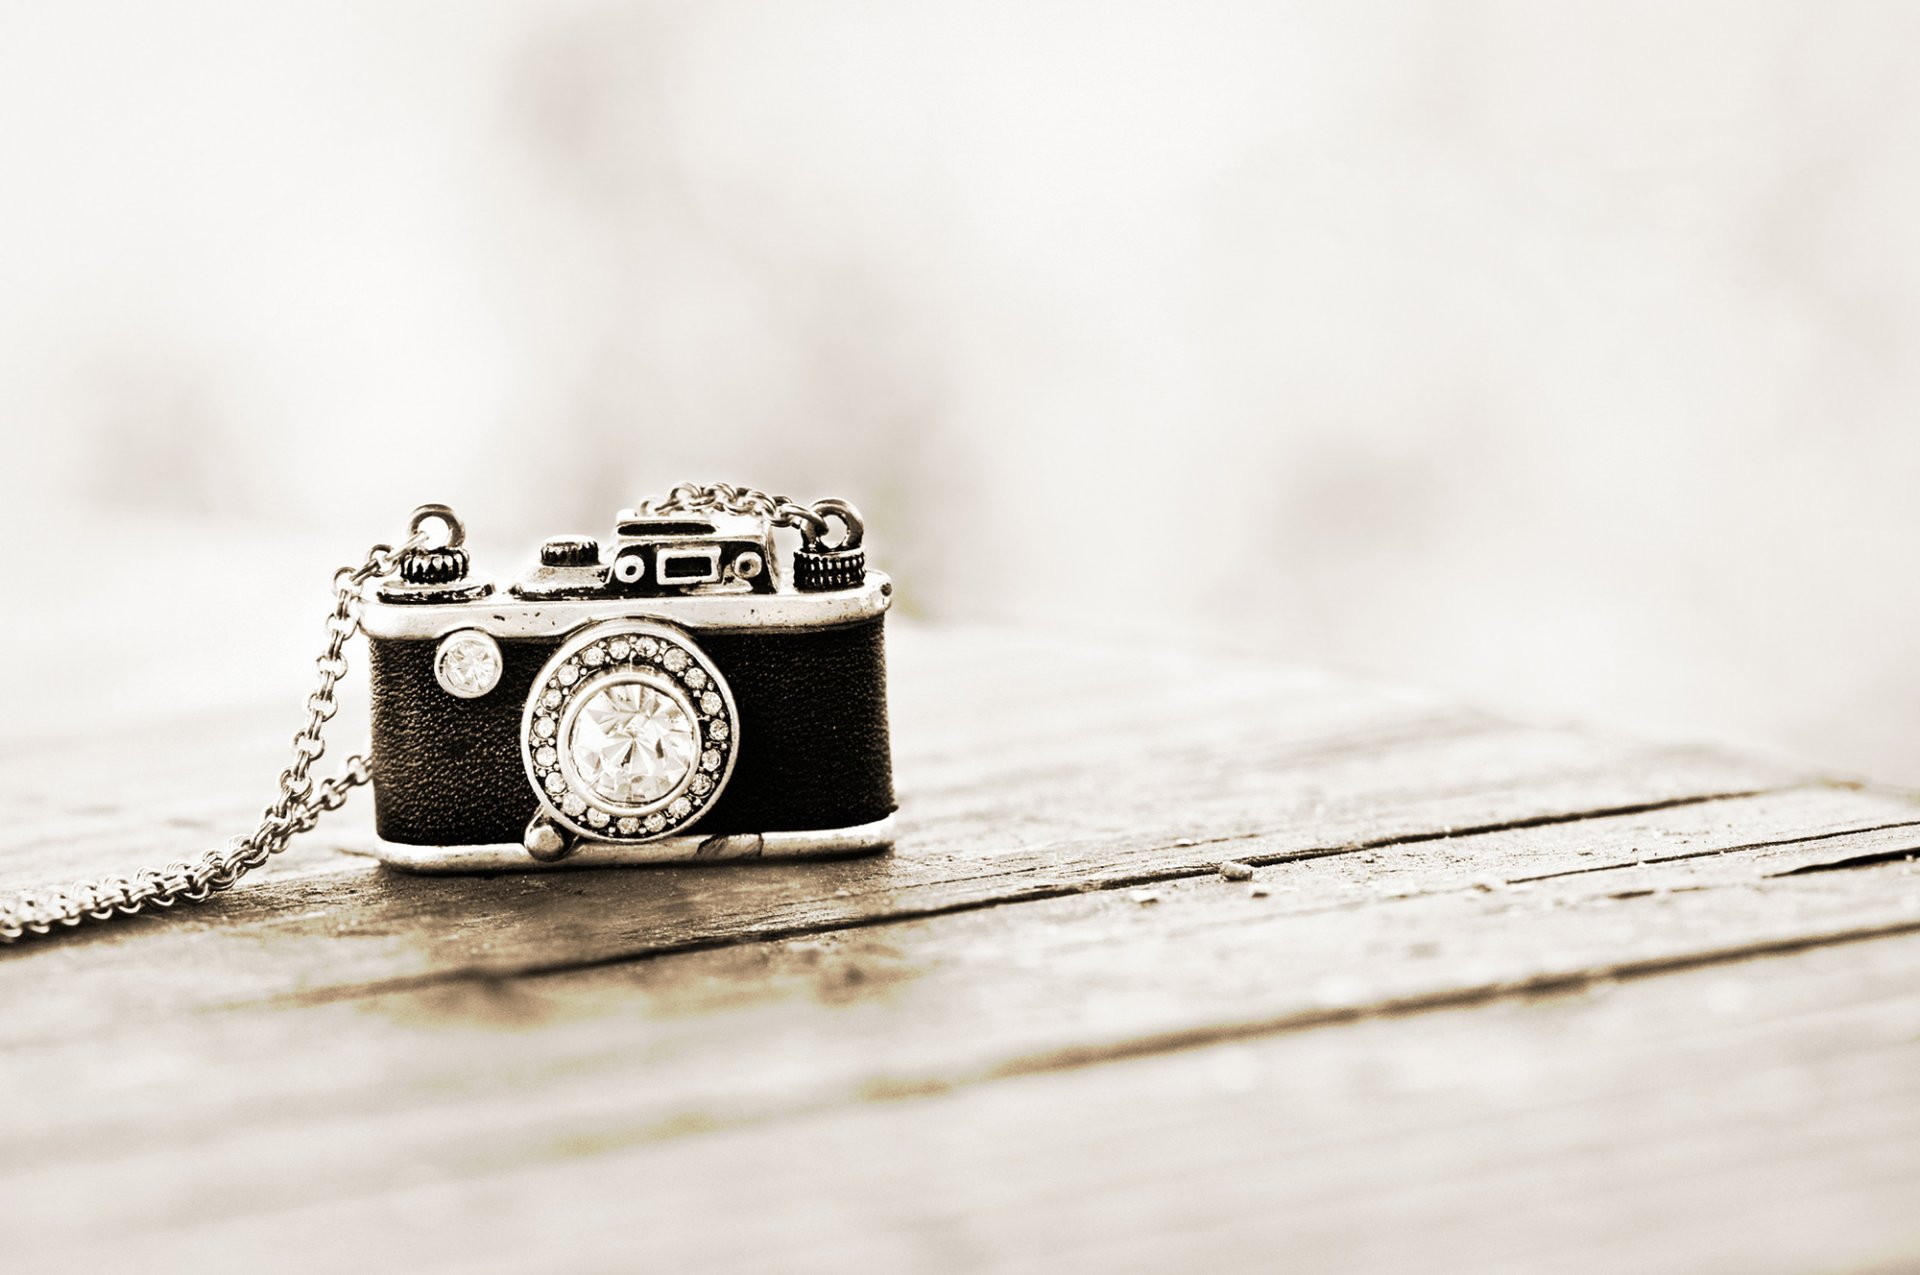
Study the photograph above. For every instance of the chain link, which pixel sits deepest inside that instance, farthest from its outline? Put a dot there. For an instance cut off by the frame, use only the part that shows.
(297, 807)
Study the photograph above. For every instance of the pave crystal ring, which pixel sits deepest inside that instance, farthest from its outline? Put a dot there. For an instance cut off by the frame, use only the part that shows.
(629, 732)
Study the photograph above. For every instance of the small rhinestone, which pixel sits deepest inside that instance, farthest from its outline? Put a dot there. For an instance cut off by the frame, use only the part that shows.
(655, 823)
(702, 785)
(680, 808)
(648, 646)
(598, 818)
(593, 657)
(696, 678)
(468, 664)
(546, 757)
(543, 727)
(629, 825)
(556, 784)
(569, 674)
(710, 760)
(676, 659)
(710, 703)
(718, 729)
(573, 805)
(617, 648)
(551, 699)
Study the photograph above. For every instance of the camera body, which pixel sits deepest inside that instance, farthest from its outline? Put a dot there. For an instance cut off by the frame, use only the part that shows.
(672, 698)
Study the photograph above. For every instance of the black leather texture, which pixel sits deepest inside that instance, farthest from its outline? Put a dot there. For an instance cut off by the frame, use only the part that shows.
(814, 746)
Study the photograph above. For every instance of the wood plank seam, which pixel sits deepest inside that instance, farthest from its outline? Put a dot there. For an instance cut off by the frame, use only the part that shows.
(1469, 830)
(1859, 861)
(1538, 987)
(1854, 863)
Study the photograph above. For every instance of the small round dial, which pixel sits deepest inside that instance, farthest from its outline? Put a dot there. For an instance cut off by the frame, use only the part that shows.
(570, 551)
(468, 664)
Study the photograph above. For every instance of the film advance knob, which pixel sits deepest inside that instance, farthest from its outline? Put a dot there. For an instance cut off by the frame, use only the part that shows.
(445, 565)
(570, 551)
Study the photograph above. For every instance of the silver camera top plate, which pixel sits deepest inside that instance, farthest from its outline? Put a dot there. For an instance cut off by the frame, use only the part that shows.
(505, 616)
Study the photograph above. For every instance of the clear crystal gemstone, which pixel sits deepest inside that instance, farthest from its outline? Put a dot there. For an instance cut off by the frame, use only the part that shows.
(629, 825)
(547, 757)
(543, 727)
(569, 674)
(696, 678)
(598, 818)
(593, 657)
(574, 804)
(555, 784)
(648, 646)
(468, 665)
(676, 659)
(551, 699)
(680, 808)
(710, 760)
(710, 703)
(617, 648)
(632, 744)
(702, 785)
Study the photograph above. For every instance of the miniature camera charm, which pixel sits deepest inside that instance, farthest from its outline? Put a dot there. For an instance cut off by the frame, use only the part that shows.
(671, 694)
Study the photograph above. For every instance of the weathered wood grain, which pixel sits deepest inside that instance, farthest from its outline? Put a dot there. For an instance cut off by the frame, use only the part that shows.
(1760, 1117)
(502, 1069)
(1126, 770)
(609, 1055)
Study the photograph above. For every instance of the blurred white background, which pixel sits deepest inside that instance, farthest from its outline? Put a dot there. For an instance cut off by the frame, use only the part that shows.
(1554, 355)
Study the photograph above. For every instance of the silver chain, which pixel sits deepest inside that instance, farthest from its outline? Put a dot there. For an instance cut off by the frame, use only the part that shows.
(782, 511)
(295, 810)
(728, 499)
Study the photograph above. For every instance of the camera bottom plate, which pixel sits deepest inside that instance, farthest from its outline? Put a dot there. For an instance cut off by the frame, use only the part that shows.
(692, 848)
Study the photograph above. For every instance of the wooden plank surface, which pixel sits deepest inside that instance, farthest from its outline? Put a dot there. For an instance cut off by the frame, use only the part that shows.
(1457, 1013)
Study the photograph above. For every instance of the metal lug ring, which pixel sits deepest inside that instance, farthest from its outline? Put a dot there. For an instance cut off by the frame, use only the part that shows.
(456, 530)
(847, 516)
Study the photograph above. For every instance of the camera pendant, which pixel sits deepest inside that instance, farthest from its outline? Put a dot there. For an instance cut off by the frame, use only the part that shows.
(629, 734)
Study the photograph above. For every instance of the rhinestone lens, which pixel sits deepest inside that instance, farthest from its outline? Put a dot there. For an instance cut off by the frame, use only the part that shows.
(631, 743)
